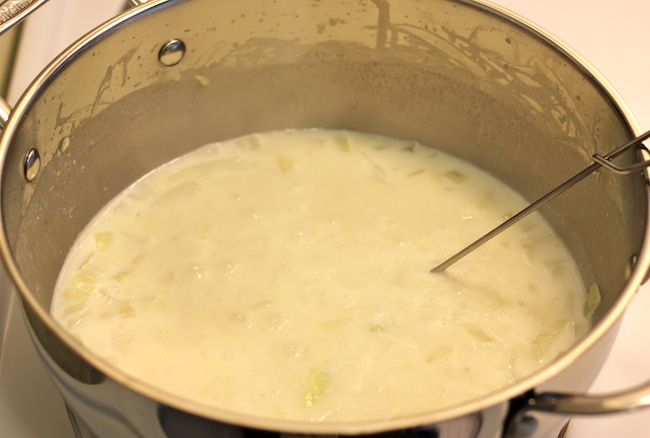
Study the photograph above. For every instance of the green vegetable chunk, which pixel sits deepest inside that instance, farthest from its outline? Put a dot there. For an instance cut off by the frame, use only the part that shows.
(317, 383)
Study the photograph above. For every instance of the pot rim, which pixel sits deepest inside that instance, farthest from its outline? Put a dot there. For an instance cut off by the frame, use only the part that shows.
(608, 321)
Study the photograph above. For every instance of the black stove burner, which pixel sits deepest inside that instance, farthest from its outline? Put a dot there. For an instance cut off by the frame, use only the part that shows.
(467, 427)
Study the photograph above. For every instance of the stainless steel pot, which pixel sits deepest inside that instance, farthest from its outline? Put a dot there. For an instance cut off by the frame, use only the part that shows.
(464, 76)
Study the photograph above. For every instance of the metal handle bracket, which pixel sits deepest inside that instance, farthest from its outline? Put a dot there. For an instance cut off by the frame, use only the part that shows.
(599, 161)
(521, 425)
(13, 12)
(621, 170)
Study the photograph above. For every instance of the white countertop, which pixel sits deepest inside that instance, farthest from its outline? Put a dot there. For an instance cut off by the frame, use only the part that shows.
(612, 35)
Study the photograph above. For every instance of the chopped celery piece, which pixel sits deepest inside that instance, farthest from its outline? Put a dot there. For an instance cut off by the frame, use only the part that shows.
(316, 386)
(103, 239)
(593, 299)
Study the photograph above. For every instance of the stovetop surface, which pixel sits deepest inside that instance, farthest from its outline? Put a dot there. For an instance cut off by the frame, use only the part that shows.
(612, 35)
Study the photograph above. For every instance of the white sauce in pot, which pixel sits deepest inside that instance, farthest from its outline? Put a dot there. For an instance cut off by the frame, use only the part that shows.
(287, 275)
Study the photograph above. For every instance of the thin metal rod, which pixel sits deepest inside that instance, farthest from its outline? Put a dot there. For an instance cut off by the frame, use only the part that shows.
(537, 204)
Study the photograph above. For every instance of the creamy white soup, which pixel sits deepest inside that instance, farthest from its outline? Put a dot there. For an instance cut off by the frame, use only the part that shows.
(286, 275)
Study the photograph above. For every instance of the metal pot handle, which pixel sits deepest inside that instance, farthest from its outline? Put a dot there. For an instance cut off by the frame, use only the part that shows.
(521, 425)
(5, 109)
(13, 12)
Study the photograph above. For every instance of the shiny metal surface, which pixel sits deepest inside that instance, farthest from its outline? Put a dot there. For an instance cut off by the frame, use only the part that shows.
(171, 53)
(462, 78)
(599, 161)
(32, 165)
(8, 45)
(5, 109)
(13, 11)
(622, 401)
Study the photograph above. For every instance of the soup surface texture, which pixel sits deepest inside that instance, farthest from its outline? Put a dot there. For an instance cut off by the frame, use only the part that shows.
(286, 274)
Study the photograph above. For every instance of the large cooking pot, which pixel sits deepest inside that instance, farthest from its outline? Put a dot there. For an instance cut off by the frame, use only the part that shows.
(464, 76)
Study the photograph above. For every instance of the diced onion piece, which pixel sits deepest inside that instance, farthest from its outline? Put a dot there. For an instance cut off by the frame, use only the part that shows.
(80, 286)
(546, 344)
(440, 352)
(285, 164)
(177, 195)
(122, 275)
(127, 309)
(342, 141)
(410, 147)
(481, 335)
(103, 240)
(455, 176)
(593, 299)
(251, 142)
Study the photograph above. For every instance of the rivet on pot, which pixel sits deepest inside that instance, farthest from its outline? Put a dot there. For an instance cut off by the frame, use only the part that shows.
(32, 165)
(171, 53)
(631, 263)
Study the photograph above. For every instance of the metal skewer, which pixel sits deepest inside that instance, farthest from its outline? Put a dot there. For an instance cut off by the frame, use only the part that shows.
(599, 161)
